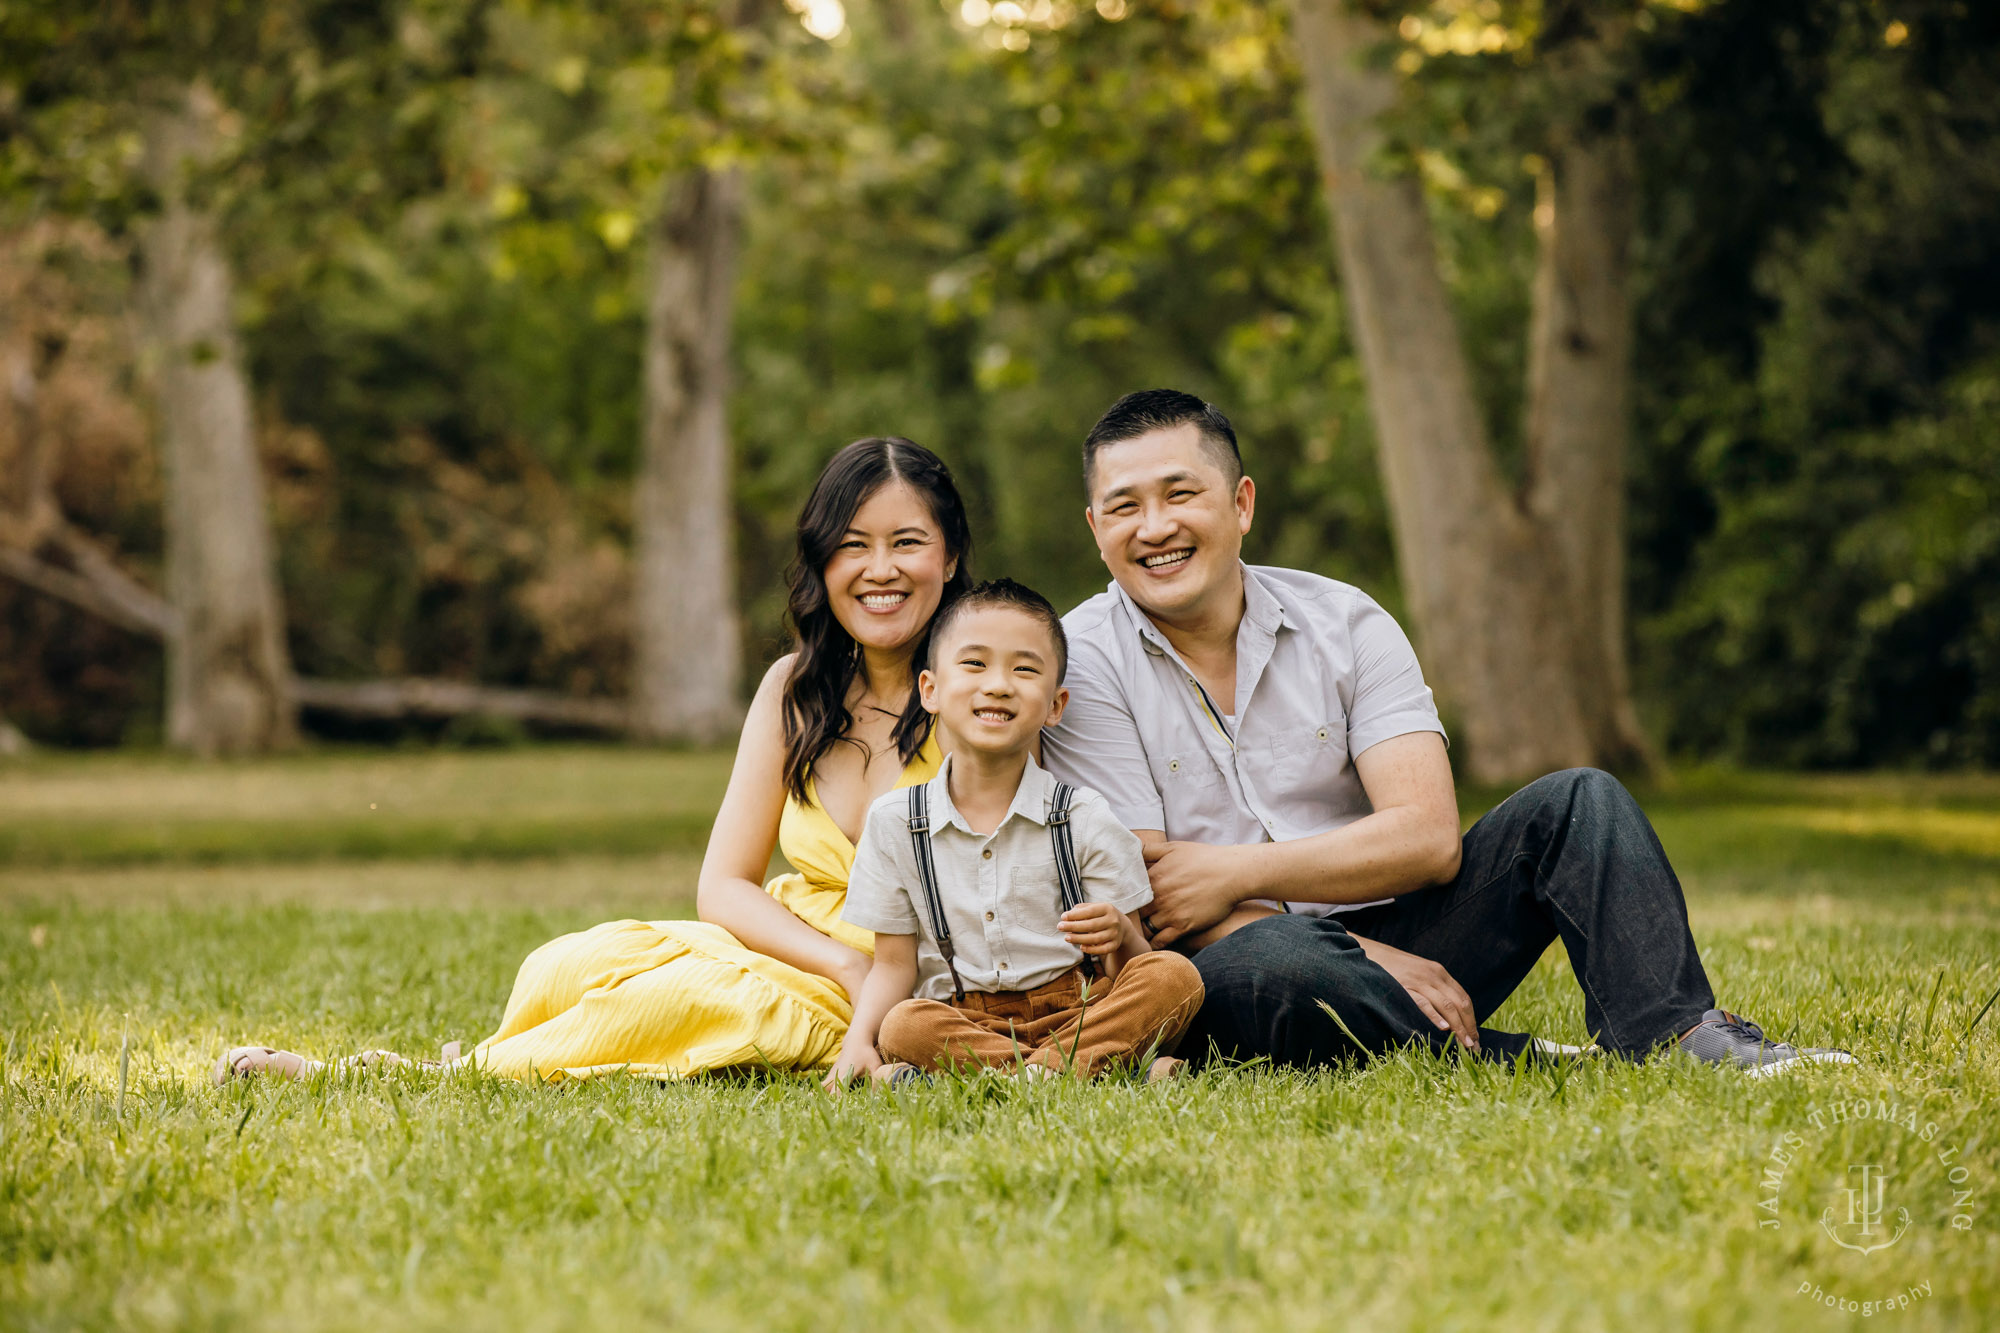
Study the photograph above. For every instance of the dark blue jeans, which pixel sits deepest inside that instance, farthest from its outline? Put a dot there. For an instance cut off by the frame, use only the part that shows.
(1570, 856)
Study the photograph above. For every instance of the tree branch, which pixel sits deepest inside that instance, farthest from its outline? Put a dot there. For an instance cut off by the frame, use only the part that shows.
(96, 586)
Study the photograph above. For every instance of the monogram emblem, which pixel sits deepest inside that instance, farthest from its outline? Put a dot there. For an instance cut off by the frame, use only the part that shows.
(1863, 1231)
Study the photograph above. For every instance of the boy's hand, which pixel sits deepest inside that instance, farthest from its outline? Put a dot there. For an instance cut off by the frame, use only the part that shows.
(1095, 928)
(855, 1061)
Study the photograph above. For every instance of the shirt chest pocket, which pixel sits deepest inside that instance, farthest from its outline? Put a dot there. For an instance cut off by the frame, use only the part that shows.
(1310, 755)
(1186, 773)
(1034, 894)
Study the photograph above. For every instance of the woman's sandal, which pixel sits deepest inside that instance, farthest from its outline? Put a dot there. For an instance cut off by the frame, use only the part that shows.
(249, 1061)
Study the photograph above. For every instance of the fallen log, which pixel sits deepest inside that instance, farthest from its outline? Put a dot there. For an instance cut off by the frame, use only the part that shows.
(419, 697)
(99, 587)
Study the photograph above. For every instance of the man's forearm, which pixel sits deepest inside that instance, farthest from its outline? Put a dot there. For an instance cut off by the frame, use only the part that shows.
(1381, 855)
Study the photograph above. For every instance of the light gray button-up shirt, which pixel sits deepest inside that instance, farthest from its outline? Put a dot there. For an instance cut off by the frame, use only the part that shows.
(1322, 673)
(1002, 897)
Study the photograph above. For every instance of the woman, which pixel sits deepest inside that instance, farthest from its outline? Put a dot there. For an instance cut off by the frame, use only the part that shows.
(764, 977)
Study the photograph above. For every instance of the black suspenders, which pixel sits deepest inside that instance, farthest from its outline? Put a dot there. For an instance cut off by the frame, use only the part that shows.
(920, 842)
(1066, 869)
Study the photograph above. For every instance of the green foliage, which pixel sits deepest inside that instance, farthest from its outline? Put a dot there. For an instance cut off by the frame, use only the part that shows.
(1122, 204)
(1836, 463)
(977, 226)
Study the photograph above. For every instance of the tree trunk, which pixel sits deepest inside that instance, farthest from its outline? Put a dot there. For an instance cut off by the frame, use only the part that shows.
(1578, 410)
(228, 676)
(1502, 623)
(688, 650)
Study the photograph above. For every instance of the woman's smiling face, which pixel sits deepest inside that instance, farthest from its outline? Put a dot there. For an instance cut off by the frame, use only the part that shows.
(888, 571)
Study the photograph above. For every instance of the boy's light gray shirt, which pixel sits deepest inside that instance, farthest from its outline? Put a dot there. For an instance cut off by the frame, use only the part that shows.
(1002, 898)
(1322, 673)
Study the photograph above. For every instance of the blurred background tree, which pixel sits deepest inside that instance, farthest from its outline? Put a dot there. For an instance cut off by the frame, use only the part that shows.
(976, 224)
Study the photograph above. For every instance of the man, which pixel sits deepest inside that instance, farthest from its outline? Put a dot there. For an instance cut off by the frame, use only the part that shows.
(1268, 735)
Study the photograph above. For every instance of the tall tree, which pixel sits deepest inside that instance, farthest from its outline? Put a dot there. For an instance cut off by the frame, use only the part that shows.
(228, 677)
(688, 654)
(1516, 587)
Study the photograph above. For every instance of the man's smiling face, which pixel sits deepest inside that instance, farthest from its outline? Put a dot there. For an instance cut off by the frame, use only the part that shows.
(1169, 522)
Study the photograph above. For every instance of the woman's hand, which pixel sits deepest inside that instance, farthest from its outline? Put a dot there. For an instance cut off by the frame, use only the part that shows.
(1095, 928)
(856, 1060)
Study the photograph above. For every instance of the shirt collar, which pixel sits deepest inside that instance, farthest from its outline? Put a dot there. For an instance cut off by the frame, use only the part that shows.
(1261, 608)
(1031, 798)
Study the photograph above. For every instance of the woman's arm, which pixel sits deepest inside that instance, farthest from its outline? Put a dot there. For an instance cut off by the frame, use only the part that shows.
(731, 893)
(890, 982)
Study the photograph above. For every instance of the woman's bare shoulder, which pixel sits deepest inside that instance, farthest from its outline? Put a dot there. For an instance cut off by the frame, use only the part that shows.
(777, 674)
(771, 689)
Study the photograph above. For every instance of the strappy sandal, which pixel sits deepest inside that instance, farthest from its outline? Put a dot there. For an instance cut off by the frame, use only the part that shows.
(250, 1061)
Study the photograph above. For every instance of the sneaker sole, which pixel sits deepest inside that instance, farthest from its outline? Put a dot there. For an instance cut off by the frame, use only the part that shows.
(1815, 1058)
(1544, 1046)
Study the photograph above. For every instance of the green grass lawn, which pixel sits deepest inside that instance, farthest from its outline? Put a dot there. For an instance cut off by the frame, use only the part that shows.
(196, 907)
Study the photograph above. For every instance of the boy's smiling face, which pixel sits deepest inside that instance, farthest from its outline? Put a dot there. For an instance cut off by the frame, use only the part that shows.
(992, 680)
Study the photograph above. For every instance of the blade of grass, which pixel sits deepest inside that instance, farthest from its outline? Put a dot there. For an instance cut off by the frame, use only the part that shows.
(1340, 1022)
(124, 1072)
(1965, 1042)
(1931, 1008)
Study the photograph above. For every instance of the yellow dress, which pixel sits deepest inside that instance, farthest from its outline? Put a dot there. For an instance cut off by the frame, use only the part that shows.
(675, 998)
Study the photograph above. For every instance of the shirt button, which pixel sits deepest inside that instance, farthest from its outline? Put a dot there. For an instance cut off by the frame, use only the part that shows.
(986, 855)
(989, 916)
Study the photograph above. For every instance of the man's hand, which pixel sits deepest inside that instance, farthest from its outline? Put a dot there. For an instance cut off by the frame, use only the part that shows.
(856, 1060)
(1440, 997)
(1094, 928)
(1192, 889)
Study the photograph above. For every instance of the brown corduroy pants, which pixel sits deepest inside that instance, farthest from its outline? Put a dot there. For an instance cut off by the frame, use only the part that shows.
(1149, 1005)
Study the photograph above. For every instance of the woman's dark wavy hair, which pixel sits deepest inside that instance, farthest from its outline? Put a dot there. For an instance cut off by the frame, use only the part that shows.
(816, 713)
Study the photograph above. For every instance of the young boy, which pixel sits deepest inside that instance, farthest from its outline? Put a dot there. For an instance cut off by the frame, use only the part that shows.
(1029, 901)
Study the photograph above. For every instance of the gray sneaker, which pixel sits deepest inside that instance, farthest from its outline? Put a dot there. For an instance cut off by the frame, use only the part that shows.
(1725, 1038)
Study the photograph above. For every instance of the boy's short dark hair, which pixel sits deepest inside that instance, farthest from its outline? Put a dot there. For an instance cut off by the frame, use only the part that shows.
(1149, 410)
(1014, 596)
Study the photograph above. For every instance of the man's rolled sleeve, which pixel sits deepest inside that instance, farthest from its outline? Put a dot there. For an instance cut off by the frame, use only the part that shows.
(879, 886)
(1098, 746)
(1109, 858)
(1390, 697)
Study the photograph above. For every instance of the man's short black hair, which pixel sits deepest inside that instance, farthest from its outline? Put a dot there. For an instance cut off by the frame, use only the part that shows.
(1007, 593)
(1149, 410)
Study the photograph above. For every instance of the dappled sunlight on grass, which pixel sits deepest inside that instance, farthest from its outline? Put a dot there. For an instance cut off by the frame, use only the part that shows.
(655, 887)
(1946, 832)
